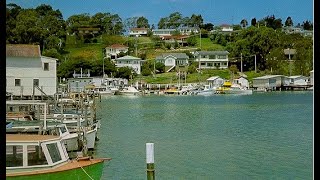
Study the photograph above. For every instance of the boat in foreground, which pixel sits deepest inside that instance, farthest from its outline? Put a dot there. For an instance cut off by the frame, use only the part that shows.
(45, 157)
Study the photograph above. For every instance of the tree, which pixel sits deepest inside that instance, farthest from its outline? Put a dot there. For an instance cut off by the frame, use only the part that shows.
(142, 22)
(253, 22)
(244, 23)
(207, 26)
(288, 22)
(307, 25)
(124, 72)
(160, 67)
(130, 23)
(192, 40)
(196, 20)
(162, 24)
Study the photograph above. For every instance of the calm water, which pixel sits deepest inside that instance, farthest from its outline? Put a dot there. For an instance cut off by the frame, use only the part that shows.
(260, 136)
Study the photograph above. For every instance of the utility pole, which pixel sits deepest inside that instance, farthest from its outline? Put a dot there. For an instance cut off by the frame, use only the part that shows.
(241, 62)
(255, 63)
(289, 62)
(136, 45)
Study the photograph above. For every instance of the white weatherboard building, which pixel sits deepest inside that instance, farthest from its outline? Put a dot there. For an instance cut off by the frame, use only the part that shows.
(28, 73)
(129, 61)
(212, 59)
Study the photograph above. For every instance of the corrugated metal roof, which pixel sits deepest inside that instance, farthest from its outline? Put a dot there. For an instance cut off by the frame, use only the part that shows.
(177, 55)
(213, 78)
(23, 50)
(212, 52)
(128, 58)
(268, 76)
(117, 46)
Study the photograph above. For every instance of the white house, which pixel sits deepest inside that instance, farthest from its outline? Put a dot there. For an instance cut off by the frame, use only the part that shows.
(114, 50)
(212, 59)
(138, 32)
(172, 60)
(163, 32)
(28, 73)
(226, 28)
(242, 81)
(181, 30)
(129, 61)
(215, 81)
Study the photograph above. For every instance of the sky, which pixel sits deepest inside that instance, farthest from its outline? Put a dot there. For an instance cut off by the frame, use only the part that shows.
(216, 12)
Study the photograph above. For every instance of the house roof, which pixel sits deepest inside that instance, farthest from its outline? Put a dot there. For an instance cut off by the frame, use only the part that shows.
(117, 46)
(128, 58)
(297, 76)
(213, 78)
(177, 55)
(23, 50)
(212, 52)
(88, 29)
(169, 30)
(225, 25)
(268, 76)
(137, 29)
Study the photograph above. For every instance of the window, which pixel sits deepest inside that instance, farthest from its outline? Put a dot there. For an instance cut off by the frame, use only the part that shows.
(222, 57)
(14, 156)
(203, 64)
(36, 156)
(212, 56)
(209, 64)
(54, 152)
(46, 66)
(17, 82)
(35, 82)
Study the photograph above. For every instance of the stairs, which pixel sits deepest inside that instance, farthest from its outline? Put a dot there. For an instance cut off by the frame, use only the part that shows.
(171, 68)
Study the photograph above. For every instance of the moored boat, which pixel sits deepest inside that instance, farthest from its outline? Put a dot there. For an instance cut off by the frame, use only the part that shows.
(45, 157)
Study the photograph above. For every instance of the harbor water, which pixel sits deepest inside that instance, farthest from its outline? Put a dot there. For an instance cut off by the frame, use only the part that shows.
(259, 136)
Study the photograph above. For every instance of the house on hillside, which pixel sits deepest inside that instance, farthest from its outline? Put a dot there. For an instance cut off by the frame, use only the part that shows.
(188, 30)
(226, 28)
(212, 59)
(114, 50)
(181, 39)
(28, 73)
(88, 30)
(129, 61)
(163, 32)
(138, 31)
(173, 60)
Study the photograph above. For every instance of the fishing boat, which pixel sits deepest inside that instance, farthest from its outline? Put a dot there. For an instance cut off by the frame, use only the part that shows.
(130, 90)
(52, 128)
(229, 88)
(206, 91)
(41, 157)
(103, 90)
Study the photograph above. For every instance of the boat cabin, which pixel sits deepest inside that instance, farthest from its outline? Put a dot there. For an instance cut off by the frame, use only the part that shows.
(33, 152)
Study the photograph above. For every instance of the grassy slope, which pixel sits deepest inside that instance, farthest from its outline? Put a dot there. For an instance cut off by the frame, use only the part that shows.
(94, 52)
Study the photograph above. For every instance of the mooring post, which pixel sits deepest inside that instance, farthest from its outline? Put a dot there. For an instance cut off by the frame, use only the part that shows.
(150, 161)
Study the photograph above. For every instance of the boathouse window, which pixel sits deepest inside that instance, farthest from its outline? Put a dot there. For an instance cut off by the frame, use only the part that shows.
(17, 82)
(14, 156)
(46, 66)
(36, 156)
(54, 152)
(35, 82)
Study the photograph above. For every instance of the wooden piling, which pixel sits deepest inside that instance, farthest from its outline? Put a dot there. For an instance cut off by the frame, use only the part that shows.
(150, 161)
